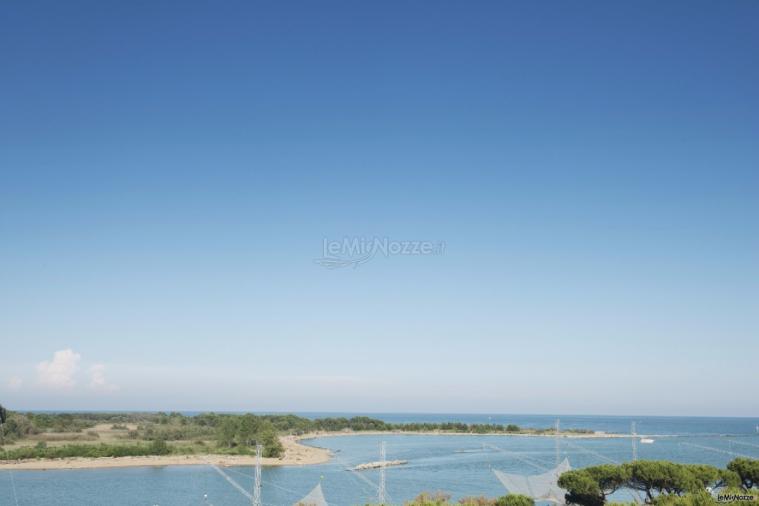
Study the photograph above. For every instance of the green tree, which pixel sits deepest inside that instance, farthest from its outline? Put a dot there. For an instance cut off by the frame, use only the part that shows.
(609, 477)
(3, 418)
(428, 499)
(272, 445)
(581, 488)
(226, 432)
(514, 500)
(712, 477)
(700, 498)
(747, 470)
(661, 477)
(159, 447)
(248, 428)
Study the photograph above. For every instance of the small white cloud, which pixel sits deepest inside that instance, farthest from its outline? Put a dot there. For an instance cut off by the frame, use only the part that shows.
(59, 372)
(98, 381)
(15, 383)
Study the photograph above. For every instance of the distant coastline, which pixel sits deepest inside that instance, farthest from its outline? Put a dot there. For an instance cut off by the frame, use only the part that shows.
(89, 440)
(296, 452)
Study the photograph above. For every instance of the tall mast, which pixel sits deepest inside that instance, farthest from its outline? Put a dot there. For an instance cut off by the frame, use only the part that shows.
(256, 499)
(381, 488)
(633, 437)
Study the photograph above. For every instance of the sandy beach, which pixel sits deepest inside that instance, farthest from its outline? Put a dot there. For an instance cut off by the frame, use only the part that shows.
(296, 453)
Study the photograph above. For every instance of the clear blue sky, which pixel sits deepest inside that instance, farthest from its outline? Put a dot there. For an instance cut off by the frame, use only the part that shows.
(170, 170)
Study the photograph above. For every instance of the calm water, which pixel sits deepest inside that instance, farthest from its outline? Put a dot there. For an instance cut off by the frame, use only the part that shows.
(459, 465)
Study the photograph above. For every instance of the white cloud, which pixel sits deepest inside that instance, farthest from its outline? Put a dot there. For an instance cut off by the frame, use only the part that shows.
(98, 381)
(14, 383)
(59, 372)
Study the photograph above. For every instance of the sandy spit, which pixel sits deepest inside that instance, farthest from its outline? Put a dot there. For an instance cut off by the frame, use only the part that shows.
(296, 453)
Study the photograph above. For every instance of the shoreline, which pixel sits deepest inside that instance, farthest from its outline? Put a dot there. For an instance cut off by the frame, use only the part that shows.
(567, 435)
(296, 453)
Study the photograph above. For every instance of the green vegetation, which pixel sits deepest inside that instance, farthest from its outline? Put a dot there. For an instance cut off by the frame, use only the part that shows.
(662, 482)
(591, 485)
(747, 470)
(42, 451)
(441, 499)
(137, 434)
(247, 431)
(704, 498)
(363, 423)
(175, 426)
(161, 433)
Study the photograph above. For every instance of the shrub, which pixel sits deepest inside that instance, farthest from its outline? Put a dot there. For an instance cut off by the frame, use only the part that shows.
(514, 500)
(430, 499)
(581, 488)
(700, 498)
(159, 447)
(477, 501)
(747, 470)
(657, 479)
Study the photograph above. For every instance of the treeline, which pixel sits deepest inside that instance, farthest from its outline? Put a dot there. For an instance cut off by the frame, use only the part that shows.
(232, 433)
(245, 432)
(176, 426)
(23, 425)
(442, 499)
(42, 451)
(299, 425)
(292, 424)
(661, 482)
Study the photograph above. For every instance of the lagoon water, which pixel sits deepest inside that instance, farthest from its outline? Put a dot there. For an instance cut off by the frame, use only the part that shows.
(458, 465)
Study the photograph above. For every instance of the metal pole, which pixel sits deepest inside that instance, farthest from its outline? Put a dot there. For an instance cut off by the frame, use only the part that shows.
(381, 488)
(256, 500)
(634, 439)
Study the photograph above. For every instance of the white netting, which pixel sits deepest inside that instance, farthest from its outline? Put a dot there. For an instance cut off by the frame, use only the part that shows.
(541, 487)
(314, 498)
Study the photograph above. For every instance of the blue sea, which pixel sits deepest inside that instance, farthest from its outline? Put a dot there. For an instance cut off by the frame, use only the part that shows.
(458, 465)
